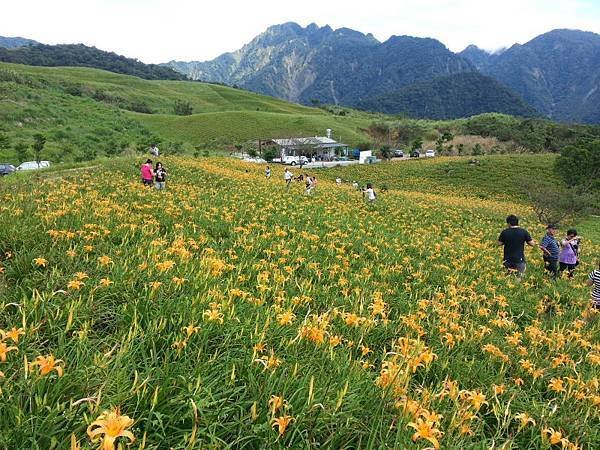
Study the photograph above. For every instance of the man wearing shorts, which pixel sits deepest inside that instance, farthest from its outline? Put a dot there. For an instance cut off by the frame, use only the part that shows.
(513, 238)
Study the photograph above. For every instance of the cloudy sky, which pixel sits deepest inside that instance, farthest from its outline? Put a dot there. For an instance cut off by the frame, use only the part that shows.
(161, 30)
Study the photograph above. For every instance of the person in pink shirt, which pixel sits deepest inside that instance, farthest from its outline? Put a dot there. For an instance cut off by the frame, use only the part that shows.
(147, 173)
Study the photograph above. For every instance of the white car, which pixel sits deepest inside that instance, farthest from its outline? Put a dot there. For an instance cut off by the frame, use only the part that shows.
(292, 160)
(33, 165)
(430, 153)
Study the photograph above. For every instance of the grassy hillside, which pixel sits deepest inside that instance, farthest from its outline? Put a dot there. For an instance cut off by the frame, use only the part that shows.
(229, 312)
(215, 129)
(87, 112)
(496, 176)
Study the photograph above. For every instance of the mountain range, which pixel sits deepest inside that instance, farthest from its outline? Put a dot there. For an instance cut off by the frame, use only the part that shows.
(556, 75)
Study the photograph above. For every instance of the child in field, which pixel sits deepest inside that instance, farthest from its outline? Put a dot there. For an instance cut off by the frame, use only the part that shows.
(309, 185)
(160, 176)
(287, 177)
(147, 173)
(369, 193)
(569, 254)
(268, 172)
(594, 281)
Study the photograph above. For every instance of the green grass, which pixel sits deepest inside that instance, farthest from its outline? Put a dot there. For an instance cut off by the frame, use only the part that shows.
(215, 129)
(497, 176)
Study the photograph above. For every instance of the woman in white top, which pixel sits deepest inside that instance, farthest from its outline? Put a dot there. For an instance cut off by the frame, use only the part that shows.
(369, 193)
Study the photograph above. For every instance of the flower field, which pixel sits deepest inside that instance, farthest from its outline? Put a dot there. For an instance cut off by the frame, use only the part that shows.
(229, 312)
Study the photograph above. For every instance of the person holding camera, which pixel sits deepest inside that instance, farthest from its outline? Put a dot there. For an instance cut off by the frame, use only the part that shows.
(569, 254)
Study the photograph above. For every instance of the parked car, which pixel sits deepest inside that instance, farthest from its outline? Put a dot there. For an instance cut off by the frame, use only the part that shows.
(292, 160)
(415, 154)
(33, 165)
(430, 153)
(6, 169)
(398, 153)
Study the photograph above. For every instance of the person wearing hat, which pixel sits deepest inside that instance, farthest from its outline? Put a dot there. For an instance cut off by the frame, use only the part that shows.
(550, 250)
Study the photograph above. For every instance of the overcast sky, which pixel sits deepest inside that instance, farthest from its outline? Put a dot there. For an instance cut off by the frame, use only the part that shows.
(161, 30)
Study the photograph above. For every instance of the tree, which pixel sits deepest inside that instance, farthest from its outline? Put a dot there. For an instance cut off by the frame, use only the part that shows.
(269, 154)
(554, 203)
(579, 165)
(417, 144)
(182, 108)
(21, 151)
(364, 146)
(38, 146)
(386, 152)
(477, 150)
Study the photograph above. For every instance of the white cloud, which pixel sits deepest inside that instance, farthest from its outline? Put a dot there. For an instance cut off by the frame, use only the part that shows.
(160, 30)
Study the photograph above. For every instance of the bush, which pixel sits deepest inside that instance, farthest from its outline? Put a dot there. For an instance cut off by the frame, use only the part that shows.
(183, 108)
(269, 154)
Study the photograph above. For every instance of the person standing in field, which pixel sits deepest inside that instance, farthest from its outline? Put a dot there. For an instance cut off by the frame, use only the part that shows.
(369, 193)
(513, 238)
(550, 250)
(287, 176)
(154, 150)
(308, 185)
(147, 173)
(268, 172)
(594, 281)
(160, 176)
(569, 254)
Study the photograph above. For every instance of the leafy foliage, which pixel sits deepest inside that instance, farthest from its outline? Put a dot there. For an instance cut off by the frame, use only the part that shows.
(449, 97)
(79, 55)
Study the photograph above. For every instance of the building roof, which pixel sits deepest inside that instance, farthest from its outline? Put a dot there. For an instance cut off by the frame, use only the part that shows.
(317, 141)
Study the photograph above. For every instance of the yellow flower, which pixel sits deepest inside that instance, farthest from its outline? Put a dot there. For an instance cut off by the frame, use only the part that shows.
(190, 329)
(213, 315)
(13, 334)
(276, 403)
(178, 281)
(4, 349)
(286, 318)
(110, 426)
(556, 384)
(282, 423)
(555, 437)
(75, 285)
(105, 282)
(47, 364)
(40, 262)
(104, 260)
(499, 389)
(525, 419)
(425, 430)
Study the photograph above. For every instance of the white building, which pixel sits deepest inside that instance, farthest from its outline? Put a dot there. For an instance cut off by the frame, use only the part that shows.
(319, 147)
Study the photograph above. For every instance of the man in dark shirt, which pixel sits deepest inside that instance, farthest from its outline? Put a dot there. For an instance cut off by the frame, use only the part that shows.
(514, 238)
(550, 250)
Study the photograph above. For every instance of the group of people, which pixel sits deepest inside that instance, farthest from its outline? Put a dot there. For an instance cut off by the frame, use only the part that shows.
(310, 181)
(156, 176)
(558, 256)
